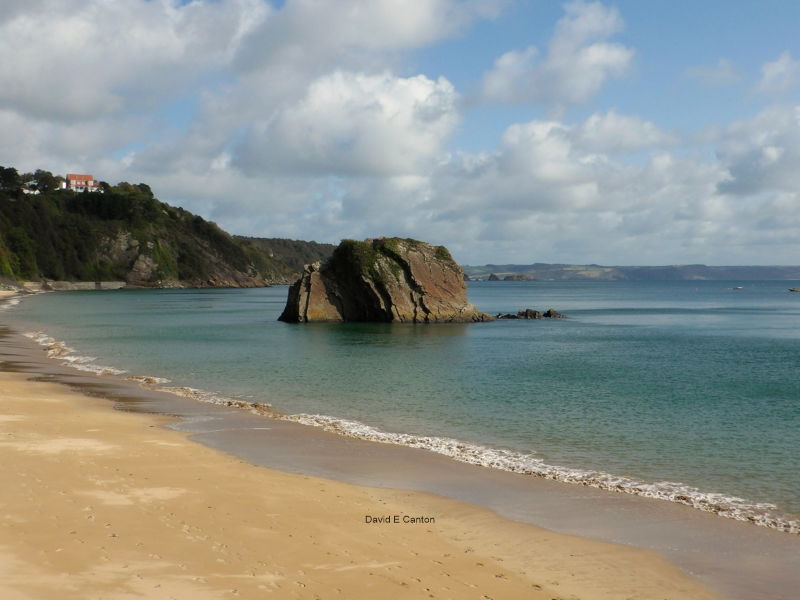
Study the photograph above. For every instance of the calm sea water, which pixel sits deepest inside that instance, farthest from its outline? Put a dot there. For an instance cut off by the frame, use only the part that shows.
(682, 387)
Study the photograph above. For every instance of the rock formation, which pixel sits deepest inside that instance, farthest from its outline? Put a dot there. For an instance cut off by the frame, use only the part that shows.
(382, 280)
(529, 313)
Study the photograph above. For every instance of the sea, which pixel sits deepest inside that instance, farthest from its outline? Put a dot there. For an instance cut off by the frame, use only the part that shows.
(687, 391)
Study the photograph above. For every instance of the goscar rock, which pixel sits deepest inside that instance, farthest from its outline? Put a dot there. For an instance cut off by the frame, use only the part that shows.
(382, 280)
(530, 313)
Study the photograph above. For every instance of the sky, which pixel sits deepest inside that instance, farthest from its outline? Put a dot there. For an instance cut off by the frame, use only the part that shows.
(511, 131)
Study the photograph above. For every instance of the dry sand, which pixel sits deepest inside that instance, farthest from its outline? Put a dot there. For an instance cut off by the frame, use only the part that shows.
(98, 503)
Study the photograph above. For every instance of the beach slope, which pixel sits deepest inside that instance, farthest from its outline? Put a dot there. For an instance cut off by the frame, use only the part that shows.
(98, 503)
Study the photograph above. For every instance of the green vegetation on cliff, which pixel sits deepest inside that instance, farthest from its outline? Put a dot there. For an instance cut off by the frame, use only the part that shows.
(292, 253)
(363, 258)
(123, 233)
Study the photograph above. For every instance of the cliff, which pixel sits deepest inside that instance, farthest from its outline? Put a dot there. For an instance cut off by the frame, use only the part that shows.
(127, 235)
(295, 254)
(382, 280)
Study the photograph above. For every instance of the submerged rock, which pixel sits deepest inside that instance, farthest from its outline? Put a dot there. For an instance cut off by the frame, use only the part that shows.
(529, 313)
(382, 280)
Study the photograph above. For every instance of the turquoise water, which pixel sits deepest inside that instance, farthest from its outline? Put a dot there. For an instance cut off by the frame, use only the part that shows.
(655, 383)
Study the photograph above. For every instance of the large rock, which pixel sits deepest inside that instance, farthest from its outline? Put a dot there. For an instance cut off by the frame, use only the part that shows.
(382, 280)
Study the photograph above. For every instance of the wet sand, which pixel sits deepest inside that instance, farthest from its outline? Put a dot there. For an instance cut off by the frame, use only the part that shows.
(737, 560)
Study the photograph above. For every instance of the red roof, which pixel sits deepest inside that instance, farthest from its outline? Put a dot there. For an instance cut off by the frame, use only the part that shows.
(81, 177)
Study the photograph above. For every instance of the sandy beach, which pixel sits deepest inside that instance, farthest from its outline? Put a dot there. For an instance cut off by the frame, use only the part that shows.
(99, 503)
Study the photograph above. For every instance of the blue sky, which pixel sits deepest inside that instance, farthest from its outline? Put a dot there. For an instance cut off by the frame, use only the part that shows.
(669, 36)
(632, 132)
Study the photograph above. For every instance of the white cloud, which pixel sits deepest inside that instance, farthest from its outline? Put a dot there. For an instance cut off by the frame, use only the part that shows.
(762, 154)
(779, 75)
(717, 75)
(613, 133)
(310, 34)
(82, 59)
(578, 62)
(352, 123)
(545, 167)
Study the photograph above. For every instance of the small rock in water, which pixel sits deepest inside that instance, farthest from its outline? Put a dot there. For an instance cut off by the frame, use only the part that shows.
(529, 313)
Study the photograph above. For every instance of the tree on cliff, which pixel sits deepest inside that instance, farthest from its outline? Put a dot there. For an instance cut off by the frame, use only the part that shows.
(9, 179)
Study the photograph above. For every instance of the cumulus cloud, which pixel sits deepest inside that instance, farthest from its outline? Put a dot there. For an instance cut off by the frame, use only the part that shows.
(719, 74)
(779, 75)
(613, 133)
(552, 167)
(578, 62)
(312, 37)
(294, 62)
(352, 123)
(762, 154)
(546, 194)
(80, 59)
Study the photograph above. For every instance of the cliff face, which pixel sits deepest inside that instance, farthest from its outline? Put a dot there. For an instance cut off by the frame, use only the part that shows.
(159, 262)
(382, 280)
(125, 235)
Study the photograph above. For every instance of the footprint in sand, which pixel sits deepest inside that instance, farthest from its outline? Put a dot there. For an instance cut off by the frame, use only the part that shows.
(59, 445)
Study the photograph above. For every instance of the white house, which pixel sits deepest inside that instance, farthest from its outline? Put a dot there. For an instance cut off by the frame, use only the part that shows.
(81, 183)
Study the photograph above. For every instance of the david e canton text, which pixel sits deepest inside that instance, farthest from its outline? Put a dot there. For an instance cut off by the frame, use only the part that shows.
(397, 519)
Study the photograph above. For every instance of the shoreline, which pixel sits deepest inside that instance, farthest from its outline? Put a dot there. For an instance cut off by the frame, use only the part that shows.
(630, 520)
(102, 503)
(726, 505)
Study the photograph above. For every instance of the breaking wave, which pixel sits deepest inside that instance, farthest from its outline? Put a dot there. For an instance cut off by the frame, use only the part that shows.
(67, 355)
(732, 507)
(59, 350)
(9, 302)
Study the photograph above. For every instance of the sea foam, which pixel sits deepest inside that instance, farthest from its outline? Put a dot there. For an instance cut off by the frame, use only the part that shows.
(60, 351)
(9, 302)
(732, 507)
(67, 355)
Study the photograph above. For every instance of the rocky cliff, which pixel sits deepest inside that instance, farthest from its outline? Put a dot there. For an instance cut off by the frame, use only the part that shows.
(125, 234)
(382, 280)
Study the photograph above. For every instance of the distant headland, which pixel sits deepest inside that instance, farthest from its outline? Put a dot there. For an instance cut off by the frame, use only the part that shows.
(567, 272)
